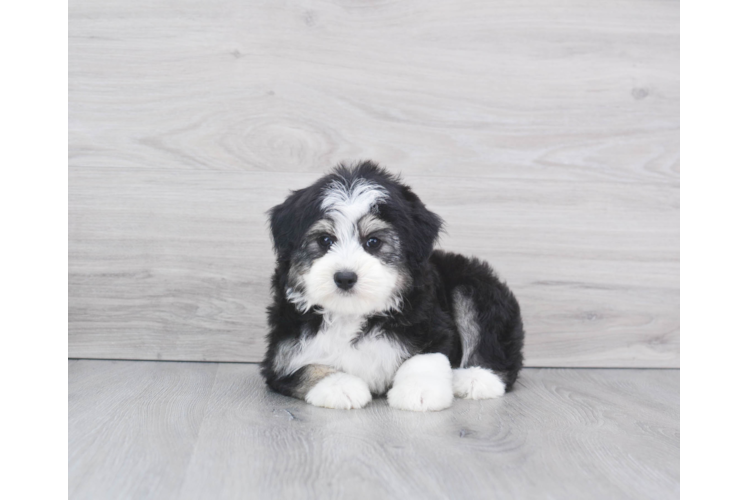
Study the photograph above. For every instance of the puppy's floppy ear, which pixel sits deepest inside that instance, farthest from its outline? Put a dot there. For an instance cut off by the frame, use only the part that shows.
(425, 226)
(290, 220)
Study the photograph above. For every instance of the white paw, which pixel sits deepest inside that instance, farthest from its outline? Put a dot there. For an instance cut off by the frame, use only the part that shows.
(339, 391)
(477, 383)
(423, 383)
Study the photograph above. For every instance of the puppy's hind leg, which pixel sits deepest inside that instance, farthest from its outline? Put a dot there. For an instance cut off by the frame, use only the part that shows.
(491, 336)
(477, 383)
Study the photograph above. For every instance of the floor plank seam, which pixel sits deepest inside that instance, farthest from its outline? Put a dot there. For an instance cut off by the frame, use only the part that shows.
(199, 433)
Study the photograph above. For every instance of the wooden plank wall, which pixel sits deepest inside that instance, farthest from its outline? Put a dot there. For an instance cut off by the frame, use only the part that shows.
(546, 133)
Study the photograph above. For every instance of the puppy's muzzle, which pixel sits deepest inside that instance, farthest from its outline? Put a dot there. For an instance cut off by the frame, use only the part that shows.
(345, 279)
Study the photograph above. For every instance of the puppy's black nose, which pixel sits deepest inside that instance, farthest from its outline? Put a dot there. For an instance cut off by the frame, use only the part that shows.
(345, 279)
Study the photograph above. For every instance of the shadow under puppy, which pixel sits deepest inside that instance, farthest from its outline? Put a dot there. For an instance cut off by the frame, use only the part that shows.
(363, 304)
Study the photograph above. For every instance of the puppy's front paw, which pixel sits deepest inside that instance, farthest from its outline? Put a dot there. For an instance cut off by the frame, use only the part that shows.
(423, 383)
(339, 391)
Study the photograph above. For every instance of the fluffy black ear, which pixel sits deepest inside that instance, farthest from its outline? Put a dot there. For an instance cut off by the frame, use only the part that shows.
(290, 220)
(425, 226)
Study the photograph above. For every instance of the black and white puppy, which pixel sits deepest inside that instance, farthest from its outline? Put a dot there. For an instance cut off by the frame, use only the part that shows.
(364, 305)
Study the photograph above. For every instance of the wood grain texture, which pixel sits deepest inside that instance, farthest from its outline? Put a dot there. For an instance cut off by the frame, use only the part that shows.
(563, 433)
(546, 135)
(582, 89)
(164, 268)
(132, 427)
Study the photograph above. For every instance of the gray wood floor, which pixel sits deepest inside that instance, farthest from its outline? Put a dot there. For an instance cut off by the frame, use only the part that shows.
(140, 429)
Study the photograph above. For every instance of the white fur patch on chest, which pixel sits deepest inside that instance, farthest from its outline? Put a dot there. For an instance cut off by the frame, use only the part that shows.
(374, 358)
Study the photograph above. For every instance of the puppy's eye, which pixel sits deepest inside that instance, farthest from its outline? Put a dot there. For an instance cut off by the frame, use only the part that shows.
(373, 243)
(326, 241)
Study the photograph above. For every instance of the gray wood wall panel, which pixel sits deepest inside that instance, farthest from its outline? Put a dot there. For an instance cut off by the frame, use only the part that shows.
(178, 268)
(579, 89)
(545, 133)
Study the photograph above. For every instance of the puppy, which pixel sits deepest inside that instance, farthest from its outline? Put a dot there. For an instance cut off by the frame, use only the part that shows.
(363, 304)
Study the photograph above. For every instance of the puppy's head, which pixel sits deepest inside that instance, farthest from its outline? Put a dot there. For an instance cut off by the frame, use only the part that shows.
(352, 242)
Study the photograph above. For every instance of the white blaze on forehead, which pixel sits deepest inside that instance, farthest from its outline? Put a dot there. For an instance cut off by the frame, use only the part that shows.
(352, 202)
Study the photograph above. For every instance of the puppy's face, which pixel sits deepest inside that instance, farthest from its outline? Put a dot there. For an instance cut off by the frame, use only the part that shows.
(350, 261)
(347, 243)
